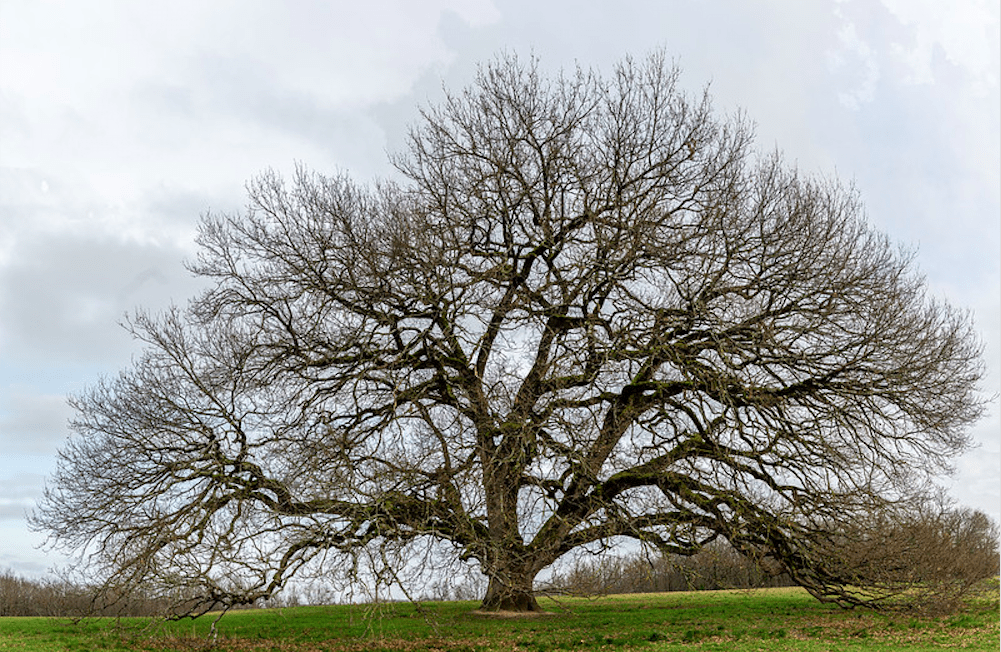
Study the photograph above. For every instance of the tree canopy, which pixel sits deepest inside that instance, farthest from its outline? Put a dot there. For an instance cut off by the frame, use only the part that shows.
(585, 310)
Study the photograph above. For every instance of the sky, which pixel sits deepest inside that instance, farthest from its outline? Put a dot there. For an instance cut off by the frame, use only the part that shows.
(121, 123)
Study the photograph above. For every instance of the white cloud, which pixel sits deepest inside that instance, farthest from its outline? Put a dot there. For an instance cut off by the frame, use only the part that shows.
(964, 32)
(925, 41)
(856, 60)
(99, 99)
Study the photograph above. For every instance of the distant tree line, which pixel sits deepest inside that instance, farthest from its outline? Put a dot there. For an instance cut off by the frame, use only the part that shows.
(21, 596)
(60, 596)
(717, 566)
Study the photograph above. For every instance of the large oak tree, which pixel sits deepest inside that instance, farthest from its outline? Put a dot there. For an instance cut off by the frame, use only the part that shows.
(586, 310)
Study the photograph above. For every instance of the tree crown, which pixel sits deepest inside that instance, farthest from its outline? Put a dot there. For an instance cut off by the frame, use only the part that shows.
(587, 310)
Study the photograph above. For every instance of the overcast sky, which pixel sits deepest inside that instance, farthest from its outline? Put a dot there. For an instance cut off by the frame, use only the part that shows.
(122, 122)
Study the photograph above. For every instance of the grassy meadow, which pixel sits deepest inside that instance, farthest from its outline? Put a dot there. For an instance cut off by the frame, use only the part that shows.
(762, 619)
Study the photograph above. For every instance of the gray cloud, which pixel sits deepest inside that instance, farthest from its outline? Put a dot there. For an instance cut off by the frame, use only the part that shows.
(62, 297)
(120, 128)
(18, 495)
(31, 422)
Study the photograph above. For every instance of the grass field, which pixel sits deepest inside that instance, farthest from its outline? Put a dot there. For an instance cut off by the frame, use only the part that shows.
(765, 619)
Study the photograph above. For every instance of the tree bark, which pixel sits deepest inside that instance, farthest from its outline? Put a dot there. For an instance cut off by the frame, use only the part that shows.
(503, 596)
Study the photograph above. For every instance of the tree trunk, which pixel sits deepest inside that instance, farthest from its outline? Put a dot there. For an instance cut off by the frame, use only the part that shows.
(503, 596)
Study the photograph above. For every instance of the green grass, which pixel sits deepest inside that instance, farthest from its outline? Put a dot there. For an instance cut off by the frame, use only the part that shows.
(767, 619)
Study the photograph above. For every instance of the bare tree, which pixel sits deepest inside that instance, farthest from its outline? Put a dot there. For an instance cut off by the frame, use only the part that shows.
(587, 311)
